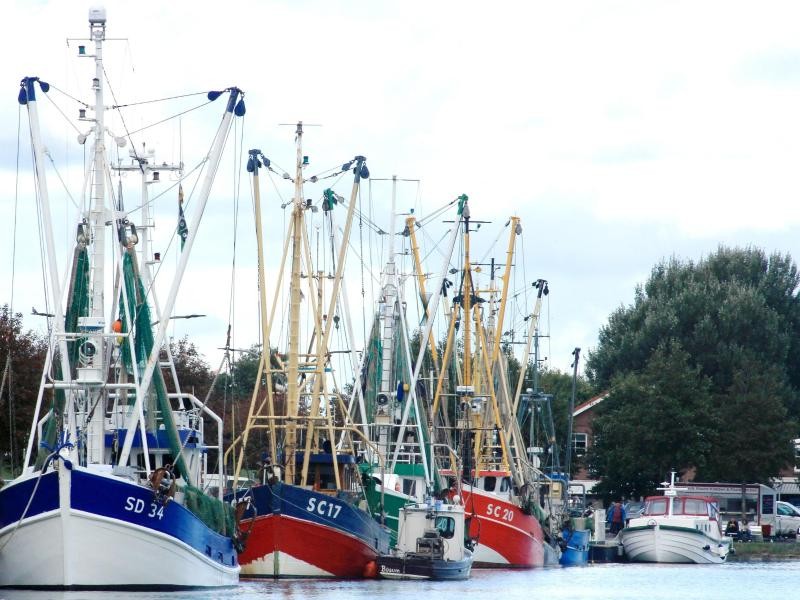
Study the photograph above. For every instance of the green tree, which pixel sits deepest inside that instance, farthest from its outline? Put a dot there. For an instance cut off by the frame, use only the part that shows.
(194, 374)
(736, 315)
(757, 430)
(22, 357)
(652, 422)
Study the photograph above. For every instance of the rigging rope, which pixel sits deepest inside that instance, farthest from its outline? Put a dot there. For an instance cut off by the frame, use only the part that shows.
(116, 106)
(122, 119)
(361, 256)
(66, 118)
(175, 116)
(81, 102)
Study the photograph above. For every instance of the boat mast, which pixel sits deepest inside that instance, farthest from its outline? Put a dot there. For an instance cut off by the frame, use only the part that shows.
(97, 214)
(383, 418)
(264, 365)
(516, 229)
(92, 355)
(533, 337)
(292, 388)
(466, 301)
(410, 230)
(28, 97)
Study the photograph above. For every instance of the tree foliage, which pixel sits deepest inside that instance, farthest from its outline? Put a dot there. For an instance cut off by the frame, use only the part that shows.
(194, 374)
(23, 353)
(653, 421)
(735, 319)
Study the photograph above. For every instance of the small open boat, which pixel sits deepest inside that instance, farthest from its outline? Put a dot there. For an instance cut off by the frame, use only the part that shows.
(430, 544)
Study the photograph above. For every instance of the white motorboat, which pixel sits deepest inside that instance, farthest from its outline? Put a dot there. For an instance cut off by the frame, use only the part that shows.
(676, 529)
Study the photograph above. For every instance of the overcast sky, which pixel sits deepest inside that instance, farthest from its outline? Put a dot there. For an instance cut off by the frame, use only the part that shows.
(621, 133)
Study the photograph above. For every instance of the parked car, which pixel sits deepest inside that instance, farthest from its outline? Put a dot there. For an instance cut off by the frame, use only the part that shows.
(787, 519)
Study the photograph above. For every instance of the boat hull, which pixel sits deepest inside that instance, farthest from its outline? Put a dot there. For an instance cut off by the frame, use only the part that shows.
(82, 530)
(659, 543)
(506, 536)
(415, 567)
(296, 532)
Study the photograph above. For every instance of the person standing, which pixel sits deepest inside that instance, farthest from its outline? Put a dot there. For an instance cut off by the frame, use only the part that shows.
(616, 517)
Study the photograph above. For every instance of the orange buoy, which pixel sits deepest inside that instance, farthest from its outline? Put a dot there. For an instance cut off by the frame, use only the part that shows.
(116, 326)
(371, 570)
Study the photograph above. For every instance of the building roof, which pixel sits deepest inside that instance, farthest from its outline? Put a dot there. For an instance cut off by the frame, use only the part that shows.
(590, 403)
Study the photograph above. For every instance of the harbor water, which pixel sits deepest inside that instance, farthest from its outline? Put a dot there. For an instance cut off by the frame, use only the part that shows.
(775, 579)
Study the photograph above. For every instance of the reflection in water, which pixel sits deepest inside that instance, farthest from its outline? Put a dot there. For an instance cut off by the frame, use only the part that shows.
(594, 582)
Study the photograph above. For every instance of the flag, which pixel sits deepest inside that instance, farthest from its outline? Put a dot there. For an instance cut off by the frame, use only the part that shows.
(183, 230)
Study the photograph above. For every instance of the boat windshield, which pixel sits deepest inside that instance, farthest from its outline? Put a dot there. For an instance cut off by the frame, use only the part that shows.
(446, 526)
(690, 506)
(655, 506)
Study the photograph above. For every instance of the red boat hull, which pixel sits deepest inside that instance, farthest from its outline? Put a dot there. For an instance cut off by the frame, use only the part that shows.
(282, 546)
(507, 537)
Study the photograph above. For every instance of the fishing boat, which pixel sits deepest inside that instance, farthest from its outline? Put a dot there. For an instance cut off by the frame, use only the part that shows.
(429, 544)
(676, 529)
(113, 497)
(499, 488)
(307, 516)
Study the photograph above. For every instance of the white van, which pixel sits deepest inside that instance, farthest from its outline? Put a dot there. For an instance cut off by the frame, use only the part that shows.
(787, 519)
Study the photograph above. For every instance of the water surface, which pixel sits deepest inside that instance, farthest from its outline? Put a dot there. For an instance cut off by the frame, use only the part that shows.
(773, 579)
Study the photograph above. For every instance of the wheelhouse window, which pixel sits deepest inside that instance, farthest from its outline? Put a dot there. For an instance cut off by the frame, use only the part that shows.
(446, 526)
(657, 506)
(689, 506)
(505, 484)
(489, 483)
(580, 443)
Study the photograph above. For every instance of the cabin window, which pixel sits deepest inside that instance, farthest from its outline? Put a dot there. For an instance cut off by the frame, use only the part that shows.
(657, 506)
(489, 483)
(693, 506)
(446, 526)
(408, 487)
(580, 443)
(505, 483)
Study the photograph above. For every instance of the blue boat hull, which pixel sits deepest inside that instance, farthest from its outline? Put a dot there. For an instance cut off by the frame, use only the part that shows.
(74, 529)
(411, 566)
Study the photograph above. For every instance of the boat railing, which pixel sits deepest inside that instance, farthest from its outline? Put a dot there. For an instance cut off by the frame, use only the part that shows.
(409, 453)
